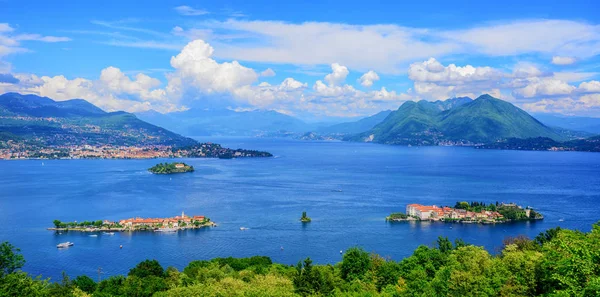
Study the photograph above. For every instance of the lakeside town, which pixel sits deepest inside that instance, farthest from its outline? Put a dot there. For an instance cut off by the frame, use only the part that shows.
(171, 224)
(465, 212)
(18, 151)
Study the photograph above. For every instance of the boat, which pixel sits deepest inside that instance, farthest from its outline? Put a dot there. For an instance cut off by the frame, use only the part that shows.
(166, 230)
(561, 220)
(64, 245)
(109, 233)
(243, 228)
(93, 235)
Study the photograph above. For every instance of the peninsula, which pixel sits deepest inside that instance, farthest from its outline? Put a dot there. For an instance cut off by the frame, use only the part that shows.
(170, 168)
(465, 212)
(175, 223)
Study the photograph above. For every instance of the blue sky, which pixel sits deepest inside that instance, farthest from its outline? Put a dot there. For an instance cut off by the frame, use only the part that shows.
(540, 55)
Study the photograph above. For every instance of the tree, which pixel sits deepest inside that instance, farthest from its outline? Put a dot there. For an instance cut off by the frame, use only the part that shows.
(57, 223)
(311, 280)
(111, 286)
(85, 283)
(10, 259)
(21, 284)
(355, 263)
(444, 244)
(147, 268)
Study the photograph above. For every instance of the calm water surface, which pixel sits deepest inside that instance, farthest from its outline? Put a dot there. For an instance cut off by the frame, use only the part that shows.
(347, 189)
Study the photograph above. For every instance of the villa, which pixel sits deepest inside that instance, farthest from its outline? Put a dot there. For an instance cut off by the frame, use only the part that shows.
(436, 213)
(174, 222)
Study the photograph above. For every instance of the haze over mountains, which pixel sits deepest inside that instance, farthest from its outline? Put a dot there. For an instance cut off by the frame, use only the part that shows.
(456, 121)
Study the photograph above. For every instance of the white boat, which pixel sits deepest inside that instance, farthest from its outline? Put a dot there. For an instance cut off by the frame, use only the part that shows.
(93, 235)
(109, 233)
(166, 230)
(243, 228)
(64, 245)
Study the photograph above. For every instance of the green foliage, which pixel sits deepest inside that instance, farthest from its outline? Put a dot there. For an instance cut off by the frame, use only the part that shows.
(557, 263)
(311, 280)
(10, 259)
(85, 283)
(168, 168)
(397, 216)
(355, 263)
(147, 268)
(305, 218)
(483, 120)
(21, 284)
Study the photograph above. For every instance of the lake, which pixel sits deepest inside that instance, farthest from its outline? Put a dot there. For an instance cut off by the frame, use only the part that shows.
(346, 188)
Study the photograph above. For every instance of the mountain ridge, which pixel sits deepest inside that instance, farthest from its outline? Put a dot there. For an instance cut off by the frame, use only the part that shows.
(485, 119)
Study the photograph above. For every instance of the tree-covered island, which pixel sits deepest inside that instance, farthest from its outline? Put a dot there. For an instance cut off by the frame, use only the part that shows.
(169, 168)
(465, 212)
(305, 218)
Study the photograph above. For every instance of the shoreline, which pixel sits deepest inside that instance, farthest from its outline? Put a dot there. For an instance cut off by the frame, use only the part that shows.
(462, 221)
(92, 230)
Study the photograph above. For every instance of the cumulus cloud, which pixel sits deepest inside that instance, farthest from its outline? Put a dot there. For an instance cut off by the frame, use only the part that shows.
(338, 75)
(536, 87)
(189, 11)
(195, 67)
(558, 60)
(367, 79)
(267, 73)
(590, 86)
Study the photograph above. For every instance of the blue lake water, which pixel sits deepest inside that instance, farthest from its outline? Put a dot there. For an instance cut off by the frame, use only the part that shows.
(347, 189)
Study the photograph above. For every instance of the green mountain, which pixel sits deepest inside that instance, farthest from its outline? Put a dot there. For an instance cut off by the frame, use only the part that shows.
(485, 119)
(72, 122)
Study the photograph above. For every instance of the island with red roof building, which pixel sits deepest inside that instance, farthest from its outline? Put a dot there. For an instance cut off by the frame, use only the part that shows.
(171, 224)
(465, 212)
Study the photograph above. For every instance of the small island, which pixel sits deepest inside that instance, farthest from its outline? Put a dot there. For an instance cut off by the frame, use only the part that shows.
(170, 168)
(465, 212)
(172, 224)
(305, 218)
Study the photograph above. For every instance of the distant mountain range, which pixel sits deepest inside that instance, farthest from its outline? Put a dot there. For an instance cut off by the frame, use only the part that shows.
(72, 122)
(201, 122)
(584, 124)
(355, 127)
(456, 121)
(225, 122)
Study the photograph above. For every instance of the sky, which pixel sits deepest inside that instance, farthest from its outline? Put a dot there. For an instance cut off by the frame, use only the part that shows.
(311, 59)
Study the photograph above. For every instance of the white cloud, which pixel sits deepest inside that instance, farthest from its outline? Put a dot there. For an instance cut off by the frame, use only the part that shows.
(387, 48)
(189, 11)
(560, 37)
(558, 60)
(544, 87)
(267, 73)
(433, 71)
(367, 79)
(338, 75)
(11, 43)
(590, 86)
(195, 67)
